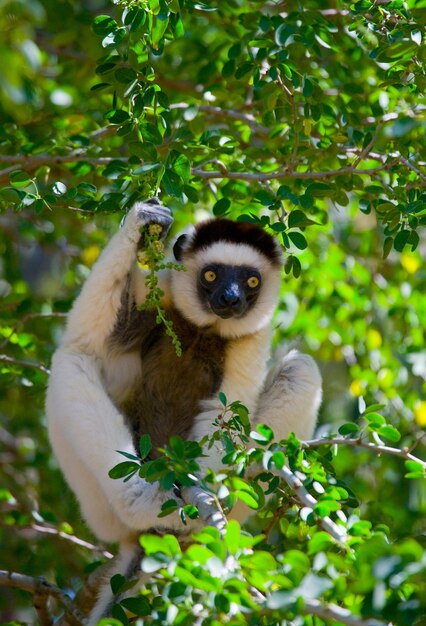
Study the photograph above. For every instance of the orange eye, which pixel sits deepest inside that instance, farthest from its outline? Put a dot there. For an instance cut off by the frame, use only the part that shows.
(253, 282)
(210, 276)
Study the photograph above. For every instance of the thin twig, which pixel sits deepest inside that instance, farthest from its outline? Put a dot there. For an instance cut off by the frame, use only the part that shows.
(30, 163)
(24, 320)
(366, 151)
(412, 167)
(246, 118)
(285, 173)
(362, 443)
(40, 587)
(338, 614)
(49, 530)
(29, 364)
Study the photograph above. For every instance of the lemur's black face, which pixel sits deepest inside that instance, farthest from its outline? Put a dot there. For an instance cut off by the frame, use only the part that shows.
(229, 290)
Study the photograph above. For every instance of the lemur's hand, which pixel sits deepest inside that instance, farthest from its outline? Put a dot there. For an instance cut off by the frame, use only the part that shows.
(148, 212)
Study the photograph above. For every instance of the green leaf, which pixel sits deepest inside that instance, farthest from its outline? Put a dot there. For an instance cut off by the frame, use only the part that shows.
(114, 38)
(160, 26)
(298, 240)
(117, 612)
(414, 466)
(222, 603)
(246, 492)
(415, 469)
(222, 398)
(264, 197)
(19, 179)
(248, 498)
(117, 117)
(145, 446)
(374, 420)
(390, 432)
(373, 407)
(221, 207)
(308, 87)
(228, 68)
(278, 458)
(103, 24)
(296, 266)
(319, 542)
(243, 69)
(182, 167)
(117, 581)
(190, 511)
(125, 75)
(348, 428)
(325, 506)
(150, 132)
(138, 606)
(298, 219)
(132, 457)
(319, 190)
(232, 536)
(283, 32)
(104, 68)
(135, 18)
(123, 469)
(263, 434)
(401, 240)
(167, 544)
(172, 183)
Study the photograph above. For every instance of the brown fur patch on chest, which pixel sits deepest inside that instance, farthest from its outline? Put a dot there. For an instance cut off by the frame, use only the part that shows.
(167, 398)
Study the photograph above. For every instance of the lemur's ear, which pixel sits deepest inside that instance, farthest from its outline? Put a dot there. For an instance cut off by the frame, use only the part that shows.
(179, 246)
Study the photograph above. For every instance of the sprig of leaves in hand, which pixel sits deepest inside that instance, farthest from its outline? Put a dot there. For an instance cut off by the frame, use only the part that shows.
(153, 257)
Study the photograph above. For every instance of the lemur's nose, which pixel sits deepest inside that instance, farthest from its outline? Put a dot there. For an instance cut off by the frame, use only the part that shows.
(230, 299)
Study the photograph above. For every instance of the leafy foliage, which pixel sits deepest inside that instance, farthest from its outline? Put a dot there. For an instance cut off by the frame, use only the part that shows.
(307, 118)
(153, 259)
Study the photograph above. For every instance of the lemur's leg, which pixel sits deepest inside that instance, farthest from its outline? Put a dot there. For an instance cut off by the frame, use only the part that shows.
(94, 314)
(291, 397)
(87, 431)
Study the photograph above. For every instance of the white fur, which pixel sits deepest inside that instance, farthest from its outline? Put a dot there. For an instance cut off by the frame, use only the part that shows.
(86, 429)
(291, 397)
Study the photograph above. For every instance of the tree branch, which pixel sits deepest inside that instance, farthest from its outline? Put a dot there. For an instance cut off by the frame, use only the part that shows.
(246, 118)
(338, 614)
(49, 530)
(212, 514)
(24, 320)
(286, 173)
(42, 589)
(31, 163)
(37, 366)
(306, 499)
(209, 508)
(362, 443)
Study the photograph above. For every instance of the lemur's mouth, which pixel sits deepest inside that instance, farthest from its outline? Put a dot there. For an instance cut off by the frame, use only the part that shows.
(227, 313)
